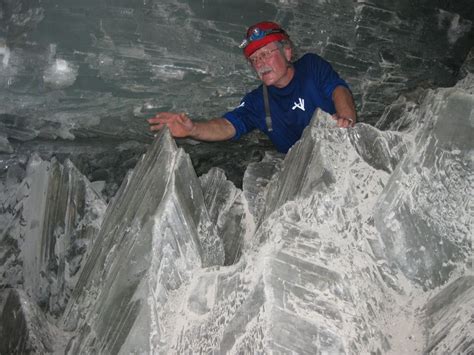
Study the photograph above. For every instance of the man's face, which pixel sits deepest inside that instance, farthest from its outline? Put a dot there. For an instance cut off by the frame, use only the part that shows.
(272, 66)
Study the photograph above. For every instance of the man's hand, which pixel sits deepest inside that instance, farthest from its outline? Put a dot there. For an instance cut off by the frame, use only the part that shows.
(344, 122)
(179, 124)
(345, 108)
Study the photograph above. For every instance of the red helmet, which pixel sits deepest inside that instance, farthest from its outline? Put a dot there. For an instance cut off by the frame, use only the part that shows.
(260, 35)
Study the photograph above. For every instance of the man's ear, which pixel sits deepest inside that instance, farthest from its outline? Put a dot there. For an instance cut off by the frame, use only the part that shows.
(288, 53)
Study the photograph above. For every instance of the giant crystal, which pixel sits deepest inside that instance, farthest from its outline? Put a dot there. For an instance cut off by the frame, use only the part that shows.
(423, 214)
(155, 234)
(55, 216)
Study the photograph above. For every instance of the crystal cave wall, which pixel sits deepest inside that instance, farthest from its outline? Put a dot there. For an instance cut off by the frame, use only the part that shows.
(94, 70)
(324, 248)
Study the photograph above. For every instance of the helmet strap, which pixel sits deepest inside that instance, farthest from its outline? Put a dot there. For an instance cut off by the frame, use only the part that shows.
(266, 102)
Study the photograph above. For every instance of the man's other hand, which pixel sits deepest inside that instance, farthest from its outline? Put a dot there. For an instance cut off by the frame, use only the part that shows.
(344, 122)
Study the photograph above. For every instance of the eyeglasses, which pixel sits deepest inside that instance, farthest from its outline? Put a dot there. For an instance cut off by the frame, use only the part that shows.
(262, 56)
(258, 33)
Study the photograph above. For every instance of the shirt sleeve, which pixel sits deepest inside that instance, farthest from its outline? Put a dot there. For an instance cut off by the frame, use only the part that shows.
(326, 77)
(243, 117)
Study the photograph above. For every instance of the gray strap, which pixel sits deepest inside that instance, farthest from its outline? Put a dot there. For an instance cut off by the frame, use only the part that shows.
(268, 117)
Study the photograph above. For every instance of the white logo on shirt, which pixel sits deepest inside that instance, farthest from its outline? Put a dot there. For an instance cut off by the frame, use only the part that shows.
(300, 105)
(242, 104)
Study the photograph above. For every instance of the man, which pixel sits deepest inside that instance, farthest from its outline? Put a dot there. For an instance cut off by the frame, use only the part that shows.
(283, 105)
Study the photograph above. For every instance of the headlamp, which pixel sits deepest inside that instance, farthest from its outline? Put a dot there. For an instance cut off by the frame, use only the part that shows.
(257, 34)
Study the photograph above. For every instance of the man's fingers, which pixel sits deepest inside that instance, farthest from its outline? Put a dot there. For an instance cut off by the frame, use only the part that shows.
(156, 127)
(180, 118)
(159, 116)
(344, 122)
(165, 117)
(179, 124)
(340, 122)
(156, 119)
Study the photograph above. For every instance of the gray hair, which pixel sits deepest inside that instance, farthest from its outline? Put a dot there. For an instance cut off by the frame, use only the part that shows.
(288, 44)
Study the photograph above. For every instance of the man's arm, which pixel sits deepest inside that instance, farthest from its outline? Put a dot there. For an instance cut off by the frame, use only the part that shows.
(181, 126)
(345, 108)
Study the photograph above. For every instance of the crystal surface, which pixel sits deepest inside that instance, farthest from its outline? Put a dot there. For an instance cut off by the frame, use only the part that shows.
(450, 313)
(24, 327)
(423, 214)
(155, 233)
(50, 223)
(5, 146)
(256, 178)
(228, 212)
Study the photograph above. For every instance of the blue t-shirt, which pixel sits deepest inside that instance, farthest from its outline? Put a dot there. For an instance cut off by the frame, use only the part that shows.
(291, 107)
